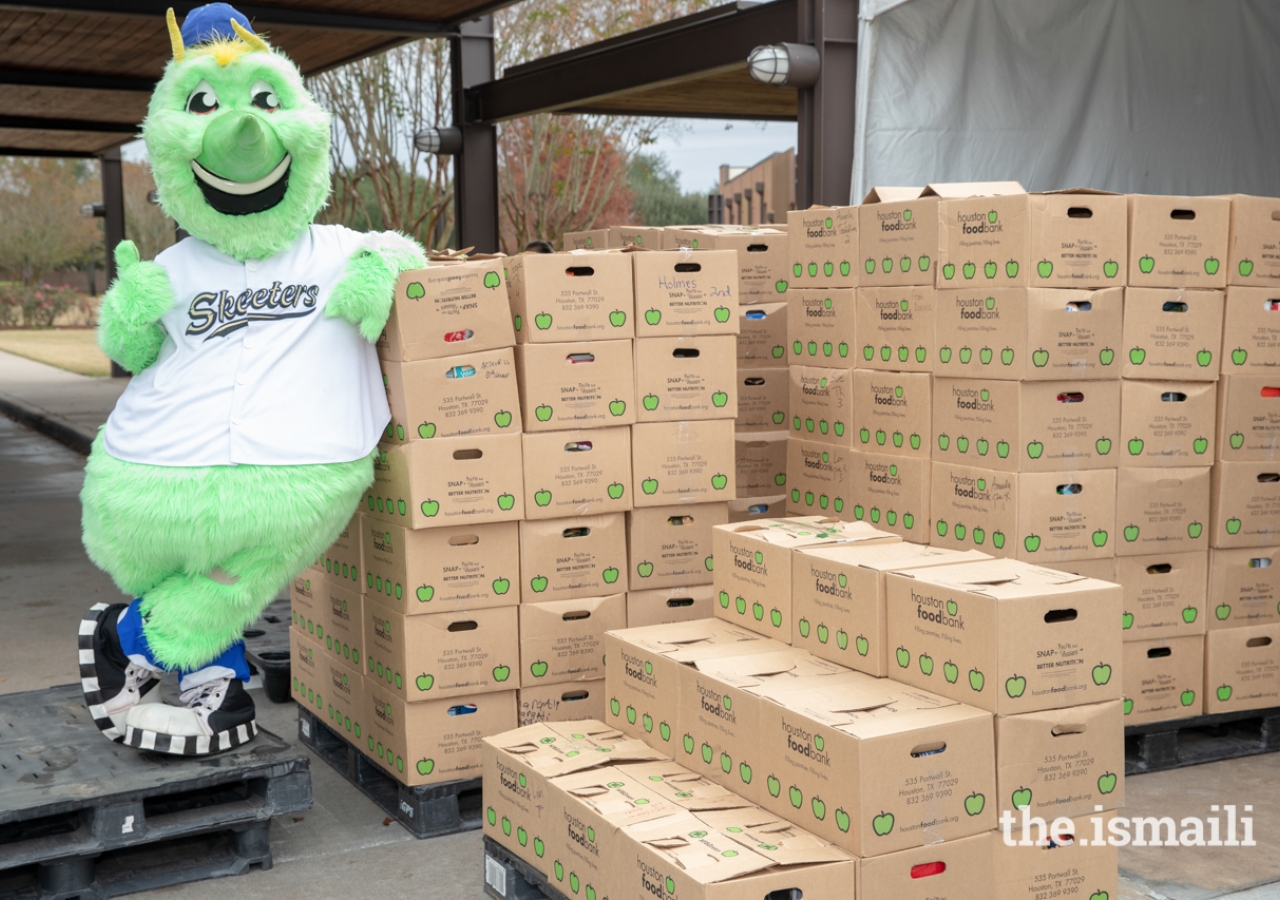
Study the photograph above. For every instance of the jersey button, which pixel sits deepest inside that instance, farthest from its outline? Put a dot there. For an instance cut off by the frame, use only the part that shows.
(252, 265)
(240, 379)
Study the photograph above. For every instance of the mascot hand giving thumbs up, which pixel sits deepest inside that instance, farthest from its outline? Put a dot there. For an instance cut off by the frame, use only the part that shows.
(242, 445)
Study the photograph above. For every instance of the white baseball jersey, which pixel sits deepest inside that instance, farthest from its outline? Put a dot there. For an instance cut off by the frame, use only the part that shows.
(251, 371)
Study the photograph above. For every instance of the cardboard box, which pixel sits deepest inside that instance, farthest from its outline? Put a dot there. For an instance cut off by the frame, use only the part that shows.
(821, 405)
(750, 509)
(433, 741)
(1030, 334)
(838, 598)
(861, 761)
(470, 395)
(571, 297)
(1245, 504)
(1167, 423)
(896, 328)
(1070, 865)
(1079, 238)
(447, 310)
(673, 604)
(647, 236)
(955, 870)
(1251, 330)
(343, 614)
(893, 412)
(897, 226)
(682, 462)
(1249, 418)
(1242, 668)
(763, 399)
(760, 460)
(448, 482)
(643, 680)
(1162, 510)
(1042, 426)
(822, 247)
(763, 261)
(1165, 595)
(670, 546)
(342, 561)
(520, 766)
(754, 566)
(1061, 762)
(583, 385)
(820, 324)
(585, 472)
(1172, 333)
(1163, 679)
(687, 237)
(719, 719)
(687, 789)
(893, 493)
(1005, 635)
(1244, 586)
(820, 478)
(1255, 238)
(1046, 517)
(591, 239)
(679, 292)
(748, 853)
(1178, 241)
(306, 607)
(984, 233)
(563, 640)
(561, 702)
(762, 335)
(686, 378)
(1101, 569)
(581, 556)
(326, 686)
(420, 658)
(443, 569)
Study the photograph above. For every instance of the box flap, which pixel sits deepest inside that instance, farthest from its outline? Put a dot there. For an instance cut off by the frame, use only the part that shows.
(670, 637)
(681, 787)
(900, 555)
(615, 796)
(803, 532)
(962, 189)
(775, 838)
(698, 849)
(891, 194)
(562, 748)
(1079, 190)
(1003, 579)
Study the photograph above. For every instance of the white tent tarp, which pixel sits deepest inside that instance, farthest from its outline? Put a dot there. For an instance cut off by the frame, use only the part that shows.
(1151, 96)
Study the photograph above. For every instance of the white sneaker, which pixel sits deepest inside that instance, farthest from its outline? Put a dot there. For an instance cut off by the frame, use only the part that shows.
(217, 715)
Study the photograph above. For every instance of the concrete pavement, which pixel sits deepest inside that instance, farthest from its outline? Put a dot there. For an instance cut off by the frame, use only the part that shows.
(64, 405)
(46, 583)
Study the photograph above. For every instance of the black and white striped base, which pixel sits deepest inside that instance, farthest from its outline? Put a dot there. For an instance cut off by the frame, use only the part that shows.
(180, 745)
(89, 673)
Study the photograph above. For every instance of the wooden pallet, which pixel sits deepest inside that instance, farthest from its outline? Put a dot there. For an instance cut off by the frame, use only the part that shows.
(81, 816)
(425, 811)
(1155, 746)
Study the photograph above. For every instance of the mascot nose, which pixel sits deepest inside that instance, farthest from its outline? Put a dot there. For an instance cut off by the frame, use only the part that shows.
(240, 147)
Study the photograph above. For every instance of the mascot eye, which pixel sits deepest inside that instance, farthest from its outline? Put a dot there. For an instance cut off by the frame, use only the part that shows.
(264, 96)
(203, 100)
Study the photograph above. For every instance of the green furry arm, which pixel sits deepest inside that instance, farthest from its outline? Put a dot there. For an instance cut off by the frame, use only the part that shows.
(363, 296)
(129, 328)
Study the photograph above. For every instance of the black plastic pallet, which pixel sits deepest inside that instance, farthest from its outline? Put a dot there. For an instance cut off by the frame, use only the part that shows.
(1200, 739)
(508, 877)
(81, 816)
(426, 811)
(266, 643)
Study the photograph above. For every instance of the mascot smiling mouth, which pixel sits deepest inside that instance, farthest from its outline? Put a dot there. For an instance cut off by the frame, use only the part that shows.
(240, 198)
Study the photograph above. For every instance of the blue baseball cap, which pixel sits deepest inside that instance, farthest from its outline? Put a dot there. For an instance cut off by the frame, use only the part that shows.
(212, 22)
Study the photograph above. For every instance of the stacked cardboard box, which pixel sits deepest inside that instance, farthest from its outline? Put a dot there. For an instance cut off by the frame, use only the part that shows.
(575, 319)
(687, 398)
(410, 617)
(822, 282)
(1171, 356)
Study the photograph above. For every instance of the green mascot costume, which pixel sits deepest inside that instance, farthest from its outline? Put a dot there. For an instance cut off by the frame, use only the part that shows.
(244, 441)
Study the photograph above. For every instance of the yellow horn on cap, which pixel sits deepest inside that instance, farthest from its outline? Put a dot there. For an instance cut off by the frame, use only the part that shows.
(250, 38)
(175, 36)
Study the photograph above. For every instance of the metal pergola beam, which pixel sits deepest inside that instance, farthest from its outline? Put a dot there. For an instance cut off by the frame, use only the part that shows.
(824, 145)
(267, 15)
(589, 110)
(39, 123)
(475, 168)
(648, 57)
(60, 154)
(78, 80)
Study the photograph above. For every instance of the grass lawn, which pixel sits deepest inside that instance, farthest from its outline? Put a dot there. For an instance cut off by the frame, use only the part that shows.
(73, 349)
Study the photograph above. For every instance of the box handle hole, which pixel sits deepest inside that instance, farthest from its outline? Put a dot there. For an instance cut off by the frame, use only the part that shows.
(1174, 306)
(1260, 562)
(1173, 397)
(574, 696)
(457, 337)
(474, 453)
(753, 381)
(1258, 642)
(1183, 214)
(1071, 397)
(1269, 393)
(1159, 653)
(686, 353)
(579, 271)
(925, 870)
(460, 371)
(688, 267)
(464, 540)
(758, 509)
(574, 359)
(1069, 489)
(577, 447)
(1079, 306)
(1054, 616)
(1060, 730)
(576, 615)
(1159, 569)
(1269, 478)
(462, 709)
(679, 602)
(580, 531)
(1079, 212)
(931, 749)
(755, 315)
(680, 520)
(468, 625)
(784, 894)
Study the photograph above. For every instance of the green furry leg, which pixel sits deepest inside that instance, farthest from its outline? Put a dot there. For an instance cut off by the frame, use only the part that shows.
(160, 531)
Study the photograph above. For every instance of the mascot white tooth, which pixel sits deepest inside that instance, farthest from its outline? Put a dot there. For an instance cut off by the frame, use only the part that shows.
(242, 445)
